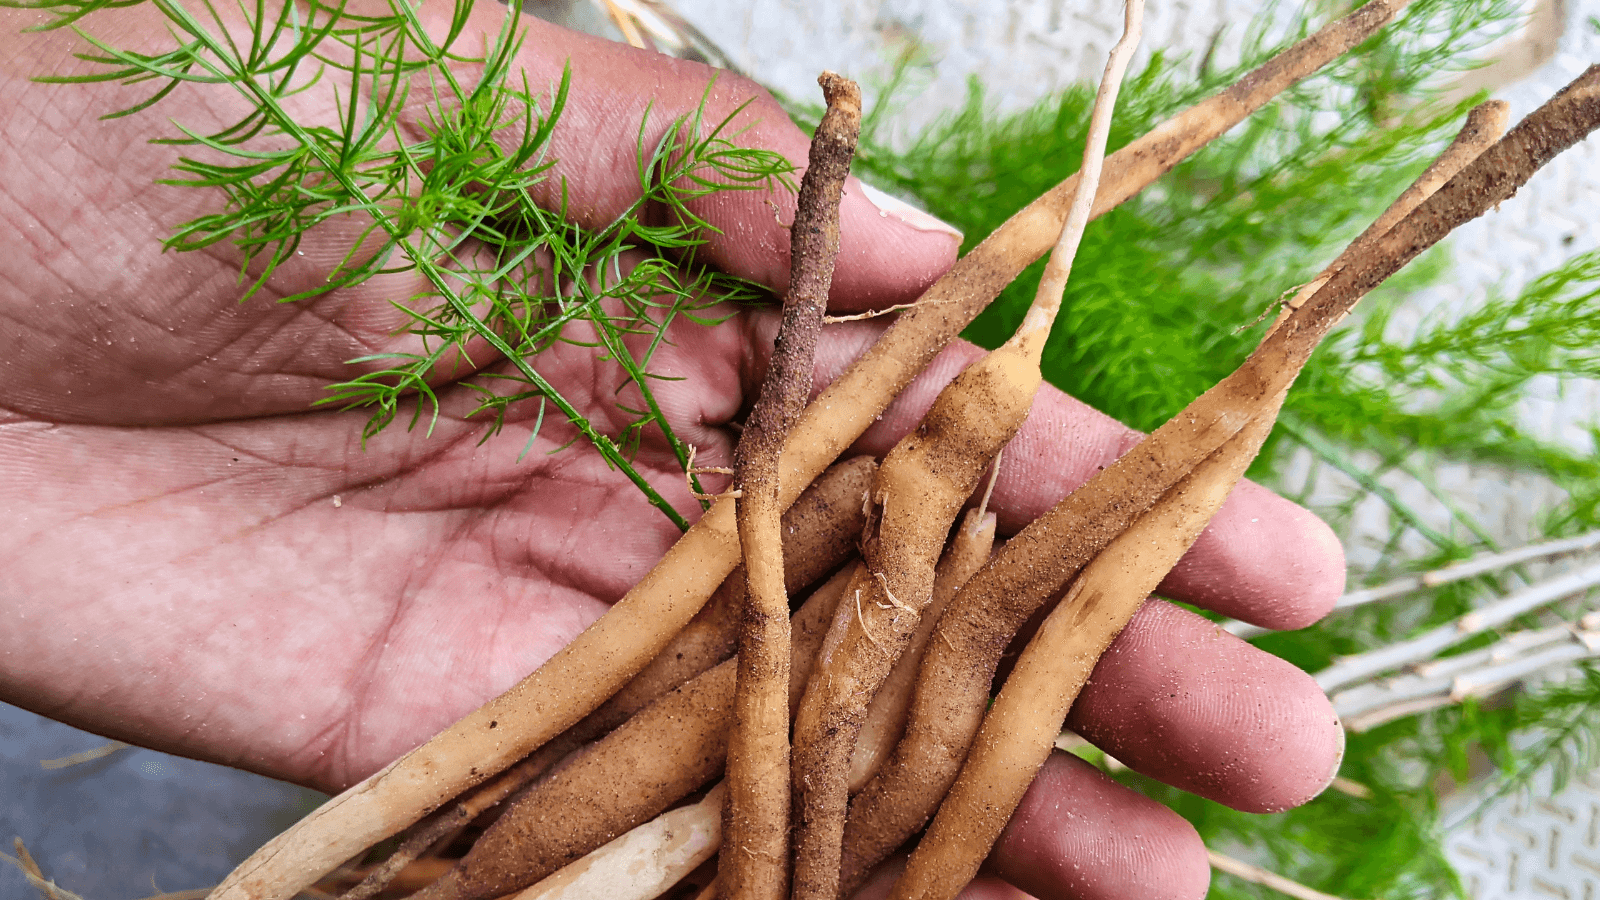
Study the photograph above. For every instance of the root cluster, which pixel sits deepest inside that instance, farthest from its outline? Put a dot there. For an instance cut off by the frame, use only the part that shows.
(665, 729)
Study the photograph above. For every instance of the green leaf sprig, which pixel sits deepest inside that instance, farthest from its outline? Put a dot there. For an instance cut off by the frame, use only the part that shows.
(448, 193)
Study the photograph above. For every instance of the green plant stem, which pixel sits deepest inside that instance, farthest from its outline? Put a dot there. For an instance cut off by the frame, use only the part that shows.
(1330, 454)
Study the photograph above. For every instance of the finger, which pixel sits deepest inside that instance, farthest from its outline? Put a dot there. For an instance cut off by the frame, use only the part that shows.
(889, 254)
(1078, 834)
(1179, 699)
(1262, 559)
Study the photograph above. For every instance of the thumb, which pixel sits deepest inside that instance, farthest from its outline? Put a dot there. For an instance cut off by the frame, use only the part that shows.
(889, 254)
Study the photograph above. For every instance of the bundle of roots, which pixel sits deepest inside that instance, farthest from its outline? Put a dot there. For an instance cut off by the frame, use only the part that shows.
(672, 717)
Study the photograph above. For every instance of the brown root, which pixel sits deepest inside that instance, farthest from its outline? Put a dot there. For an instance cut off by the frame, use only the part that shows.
(1021, 725)
(886, 716)
(917, 494)
(438, 827)
(985, 616)
(757, 818)
(645, 862)
(820, 532)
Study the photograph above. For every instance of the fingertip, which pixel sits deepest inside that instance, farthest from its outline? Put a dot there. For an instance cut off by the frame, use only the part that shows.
(888, 206)
(1262, 559)
(1179, 699)
(890, 252)
(1079, 834)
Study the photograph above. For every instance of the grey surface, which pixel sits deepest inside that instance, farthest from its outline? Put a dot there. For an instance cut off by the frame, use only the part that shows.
(1531, 844)
(131, 824)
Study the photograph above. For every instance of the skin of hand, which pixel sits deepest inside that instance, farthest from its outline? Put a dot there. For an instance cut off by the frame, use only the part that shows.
(193, 559)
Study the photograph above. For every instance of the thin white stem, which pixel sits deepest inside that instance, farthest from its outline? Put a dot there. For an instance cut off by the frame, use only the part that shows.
(1469, 568)
(1257, 875)
(1492, 679)
(1514, 645)
(31, 871)
(1041, 316)
(1482, 683)
(1371, 720)
(84, 756)
(994, 476)
(1426, 645)
(1350, 788)
(1471, 674)
(1459, 571)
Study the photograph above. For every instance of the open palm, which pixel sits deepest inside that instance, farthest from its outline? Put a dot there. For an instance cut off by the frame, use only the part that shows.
(194, 559)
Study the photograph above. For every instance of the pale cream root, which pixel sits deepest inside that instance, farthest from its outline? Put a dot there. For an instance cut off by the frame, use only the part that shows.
(886, 716)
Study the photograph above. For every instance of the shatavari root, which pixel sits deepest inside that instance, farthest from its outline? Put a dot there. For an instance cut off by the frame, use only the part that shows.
(820, 532)
(962, 665)
(886, 716)
(469, 806)
(644, 863)
(1485, 123)
(581, 676)
(955, 683)
(757, 817)
(597, 872)
(1009, 748)
(945, 717)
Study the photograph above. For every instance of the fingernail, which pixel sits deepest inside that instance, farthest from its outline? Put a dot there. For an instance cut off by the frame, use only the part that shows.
(1338, 759)
(905, 212)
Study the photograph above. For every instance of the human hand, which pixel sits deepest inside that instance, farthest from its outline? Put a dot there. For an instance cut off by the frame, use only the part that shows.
(195, 561)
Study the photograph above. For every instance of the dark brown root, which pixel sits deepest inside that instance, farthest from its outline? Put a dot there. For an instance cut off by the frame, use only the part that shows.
(757, 817)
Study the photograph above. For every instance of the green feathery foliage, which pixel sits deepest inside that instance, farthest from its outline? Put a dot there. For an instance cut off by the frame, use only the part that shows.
(1167, 296)
(449, 194)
